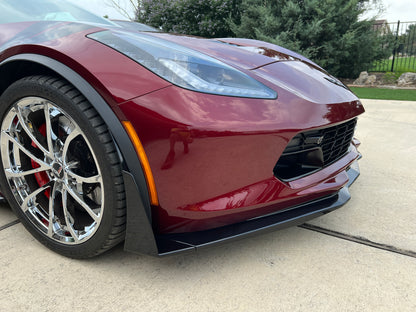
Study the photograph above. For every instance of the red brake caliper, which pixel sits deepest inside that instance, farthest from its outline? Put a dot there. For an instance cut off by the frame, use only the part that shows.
(41, 177)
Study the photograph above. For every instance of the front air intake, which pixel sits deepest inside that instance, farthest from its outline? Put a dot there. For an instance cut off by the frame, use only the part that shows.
(313, 150)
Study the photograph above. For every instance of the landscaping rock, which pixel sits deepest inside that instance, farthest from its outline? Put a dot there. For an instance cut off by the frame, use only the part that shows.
(407, 79)
(366, 79)
(362, 79)
(384, 80)
(371, 80)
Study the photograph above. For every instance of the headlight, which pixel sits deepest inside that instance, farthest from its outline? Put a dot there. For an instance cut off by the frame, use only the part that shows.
(184, 67)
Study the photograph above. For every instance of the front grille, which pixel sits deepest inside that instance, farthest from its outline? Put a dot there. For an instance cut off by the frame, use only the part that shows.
(312, 150)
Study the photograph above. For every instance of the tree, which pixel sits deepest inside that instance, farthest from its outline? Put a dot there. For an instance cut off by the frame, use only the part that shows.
(207, 18)
(327, 31)
(409, 41)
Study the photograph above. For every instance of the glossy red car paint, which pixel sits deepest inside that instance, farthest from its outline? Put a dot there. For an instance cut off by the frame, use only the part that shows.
(212, 156)
(221, 179)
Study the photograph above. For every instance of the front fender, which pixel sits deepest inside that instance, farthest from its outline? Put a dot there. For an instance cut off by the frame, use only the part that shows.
(139, 233)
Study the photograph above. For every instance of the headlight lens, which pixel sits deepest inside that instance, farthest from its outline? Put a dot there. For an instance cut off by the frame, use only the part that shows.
(184, 67)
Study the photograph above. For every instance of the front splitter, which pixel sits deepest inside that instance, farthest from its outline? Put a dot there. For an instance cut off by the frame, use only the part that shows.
(173, 243)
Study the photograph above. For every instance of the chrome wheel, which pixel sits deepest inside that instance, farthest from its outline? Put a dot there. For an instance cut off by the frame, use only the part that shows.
(52, 171)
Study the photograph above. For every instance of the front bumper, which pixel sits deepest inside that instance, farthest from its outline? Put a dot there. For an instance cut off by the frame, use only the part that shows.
(173, 243)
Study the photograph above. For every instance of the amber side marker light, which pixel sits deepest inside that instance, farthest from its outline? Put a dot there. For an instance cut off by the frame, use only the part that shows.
(144, 161)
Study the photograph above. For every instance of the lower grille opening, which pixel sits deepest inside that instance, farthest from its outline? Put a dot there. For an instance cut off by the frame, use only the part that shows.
(313, 150)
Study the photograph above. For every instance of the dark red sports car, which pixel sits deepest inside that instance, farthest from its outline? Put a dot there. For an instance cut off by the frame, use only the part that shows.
(166, 142)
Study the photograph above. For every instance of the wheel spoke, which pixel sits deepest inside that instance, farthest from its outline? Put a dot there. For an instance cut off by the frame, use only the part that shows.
(51, 211)
(16, 174)
(74, 133)
(33, 195)
(50, 136)
(66, 214)
(26, 128)
(25, 150)
(79, 179)
(82, 203)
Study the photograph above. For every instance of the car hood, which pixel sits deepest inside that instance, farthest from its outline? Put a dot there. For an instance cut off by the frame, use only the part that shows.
(243, 53)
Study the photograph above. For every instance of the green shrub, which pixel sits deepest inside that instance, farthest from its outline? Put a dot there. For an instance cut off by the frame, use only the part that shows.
(327, 31)
(205, 18)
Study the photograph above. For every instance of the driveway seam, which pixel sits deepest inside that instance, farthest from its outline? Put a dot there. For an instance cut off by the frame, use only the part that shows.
(358, 239)
(3, 227)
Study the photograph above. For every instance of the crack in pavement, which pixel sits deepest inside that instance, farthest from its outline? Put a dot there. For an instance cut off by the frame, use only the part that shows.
(307, 226)
(3, 227)
(358, 239)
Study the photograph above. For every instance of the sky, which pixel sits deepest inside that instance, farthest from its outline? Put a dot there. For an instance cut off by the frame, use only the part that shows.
(403, 10)
(103, 7)
(394, 10)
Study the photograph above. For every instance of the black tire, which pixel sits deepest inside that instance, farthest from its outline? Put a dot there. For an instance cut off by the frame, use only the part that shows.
(69, 161)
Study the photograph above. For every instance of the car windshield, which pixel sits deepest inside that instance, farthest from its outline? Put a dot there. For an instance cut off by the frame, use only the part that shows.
(12, 11)
(134, 26)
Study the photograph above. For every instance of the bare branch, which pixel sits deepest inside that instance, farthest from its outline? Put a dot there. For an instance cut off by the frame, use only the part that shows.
(117, 4)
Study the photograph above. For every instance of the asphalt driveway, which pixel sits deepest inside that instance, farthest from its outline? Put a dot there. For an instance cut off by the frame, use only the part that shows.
(361, 257)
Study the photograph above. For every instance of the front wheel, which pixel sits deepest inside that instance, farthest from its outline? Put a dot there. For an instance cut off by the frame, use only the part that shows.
(61, 172)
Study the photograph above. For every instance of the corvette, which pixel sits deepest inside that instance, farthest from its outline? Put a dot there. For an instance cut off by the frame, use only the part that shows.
(165, 142)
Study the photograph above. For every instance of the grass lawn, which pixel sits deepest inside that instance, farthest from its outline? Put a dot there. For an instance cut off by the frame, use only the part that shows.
(385, 94)
(401, 65)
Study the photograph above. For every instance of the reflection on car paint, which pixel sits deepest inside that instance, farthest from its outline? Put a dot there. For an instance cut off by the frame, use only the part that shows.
(177, 135)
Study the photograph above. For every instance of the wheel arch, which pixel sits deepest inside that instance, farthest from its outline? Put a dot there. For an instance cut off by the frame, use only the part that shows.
(139, 231)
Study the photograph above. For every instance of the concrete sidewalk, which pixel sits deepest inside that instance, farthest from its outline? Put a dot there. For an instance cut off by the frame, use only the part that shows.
(291, 270)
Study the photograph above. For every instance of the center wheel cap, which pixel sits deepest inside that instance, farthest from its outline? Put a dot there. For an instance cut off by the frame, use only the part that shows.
(58, 170)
